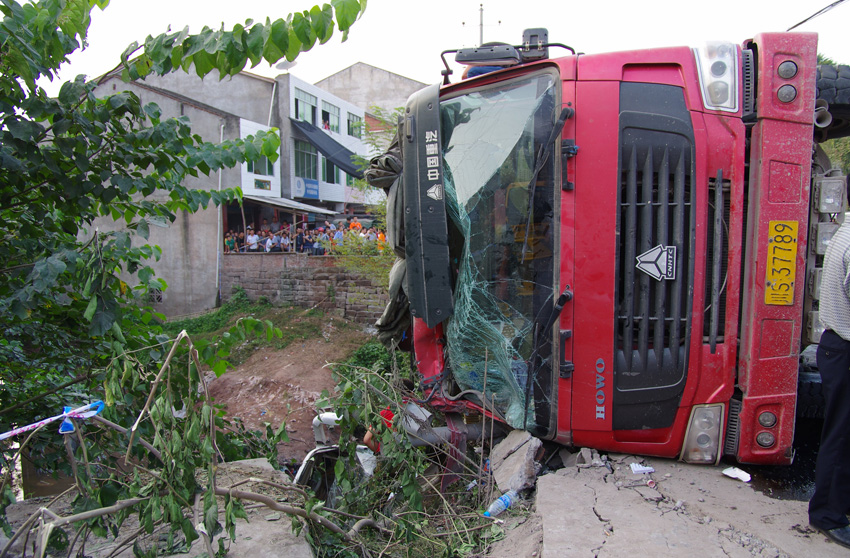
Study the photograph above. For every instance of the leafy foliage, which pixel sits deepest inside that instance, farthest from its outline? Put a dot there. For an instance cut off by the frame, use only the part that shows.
(293, 323)
(349, 253)
(839, 152)
(74, 327)
(368, 258)
(402, 493)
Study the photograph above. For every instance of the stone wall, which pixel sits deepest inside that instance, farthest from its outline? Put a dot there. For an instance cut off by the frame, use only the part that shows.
(306, 281)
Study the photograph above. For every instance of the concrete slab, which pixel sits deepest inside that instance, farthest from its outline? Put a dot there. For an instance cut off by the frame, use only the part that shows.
(585, 514)
(754, 516)
(692, 511)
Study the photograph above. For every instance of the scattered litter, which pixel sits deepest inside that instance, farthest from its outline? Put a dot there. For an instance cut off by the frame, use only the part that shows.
(638, 469)
(505, 501)
(735, 473)
(181, 414)
(650, 483)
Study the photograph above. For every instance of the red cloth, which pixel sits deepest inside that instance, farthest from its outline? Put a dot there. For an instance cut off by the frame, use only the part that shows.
(388, 417)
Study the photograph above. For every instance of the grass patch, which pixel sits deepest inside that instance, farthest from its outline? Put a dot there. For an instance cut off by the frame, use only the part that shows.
(296, 324)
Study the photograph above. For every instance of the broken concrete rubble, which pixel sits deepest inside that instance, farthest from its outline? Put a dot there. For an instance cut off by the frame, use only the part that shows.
(609, 512)
(514, 461)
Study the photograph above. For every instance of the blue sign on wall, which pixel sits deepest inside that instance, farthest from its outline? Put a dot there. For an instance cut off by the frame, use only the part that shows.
(311, 188)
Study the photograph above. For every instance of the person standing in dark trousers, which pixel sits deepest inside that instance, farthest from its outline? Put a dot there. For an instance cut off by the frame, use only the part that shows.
(831, 500)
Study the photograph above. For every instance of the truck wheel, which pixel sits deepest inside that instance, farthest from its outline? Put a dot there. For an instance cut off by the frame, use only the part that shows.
(810, 401)
(833, 85)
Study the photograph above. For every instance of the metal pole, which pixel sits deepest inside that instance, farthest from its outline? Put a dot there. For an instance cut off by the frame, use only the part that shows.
(219, 233)
(481, 26)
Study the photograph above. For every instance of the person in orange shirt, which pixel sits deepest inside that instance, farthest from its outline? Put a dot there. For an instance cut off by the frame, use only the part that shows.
(355, 224)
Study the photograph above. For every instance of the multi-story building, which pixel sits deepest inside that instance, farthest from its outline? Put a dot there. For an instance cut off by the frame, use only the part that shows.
(310, 181)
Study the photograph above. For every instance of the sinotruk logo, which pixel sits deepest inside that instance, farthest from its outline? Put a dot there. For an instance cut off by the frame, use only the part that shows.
(659, 263)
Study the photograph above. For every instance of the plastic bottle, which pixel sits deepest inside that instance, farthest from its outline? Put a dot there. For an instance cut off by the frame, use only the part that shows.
(504, 502)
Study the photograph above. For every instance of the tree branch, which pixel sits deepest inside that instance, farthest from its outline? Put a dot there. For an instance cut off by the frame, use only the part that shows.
(51, 391)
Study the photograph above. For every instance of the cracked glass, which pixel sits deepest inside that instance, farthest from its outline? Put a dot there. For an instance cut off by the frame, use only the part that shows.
(501, 238)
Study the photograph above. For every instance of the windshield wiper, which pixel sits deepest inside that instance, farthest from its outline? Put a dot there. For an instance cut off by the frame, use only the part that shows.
(542, 156)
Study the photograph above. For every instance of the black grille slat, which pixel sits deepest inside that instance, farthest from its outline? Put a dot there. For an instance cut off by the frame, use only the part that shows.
(661, 235)
(716, 258)
(678, 240)
(733, 428)
(628, 234)
(646, 228)
(716, 261)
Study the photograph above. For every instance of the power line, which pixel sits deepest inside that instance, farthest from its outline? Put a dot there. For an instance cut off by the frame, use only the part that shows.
(816, 14)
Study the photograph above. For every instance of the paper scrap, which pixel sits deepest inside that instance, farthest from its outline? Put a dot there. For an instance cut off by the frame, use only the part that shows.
(735, 473)
(638, 469)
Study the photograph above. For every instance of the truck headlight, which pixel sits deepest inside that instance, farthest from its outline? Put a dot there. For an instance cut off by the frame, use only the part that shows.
(702, 440)
(717, 64)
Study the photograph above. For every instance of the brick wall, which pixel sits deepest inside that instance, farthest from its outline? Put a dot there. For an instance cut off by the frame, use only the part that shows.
(306, 281)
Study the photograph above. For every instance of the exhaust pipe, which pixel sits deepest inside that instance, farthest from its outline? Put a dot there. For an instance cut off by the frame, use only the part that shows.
(823, 118)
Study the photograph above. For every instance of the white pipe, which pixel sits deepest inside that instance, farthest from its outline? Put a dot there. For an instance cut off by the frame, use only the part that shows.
(271, 104)
(321, 424)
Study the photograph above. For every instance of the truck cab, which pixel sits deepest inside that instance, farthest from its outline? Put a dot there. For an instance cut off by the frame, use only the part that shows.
(612, 250)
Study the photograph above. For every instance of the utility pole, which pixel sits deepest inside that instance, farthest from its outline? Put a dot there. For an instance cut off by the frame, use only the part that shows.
(481, 25)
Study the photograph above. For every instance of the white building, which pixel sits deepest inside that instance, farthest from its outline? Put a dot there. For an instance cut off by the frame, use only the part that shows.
(309, 182)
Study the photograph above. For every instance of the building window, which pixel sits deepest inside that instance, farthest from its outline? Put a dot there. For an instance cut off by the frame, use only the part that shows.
(330, 117)
(305, 106)
(154, 295)
(306, 160)
(262, 184)
(261, 166)
(330, 172)
(355, 125)
(350, 180)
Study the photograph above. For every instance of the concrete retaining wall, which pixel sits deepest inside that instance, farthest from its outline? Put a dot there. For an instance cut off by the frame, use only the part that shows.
(306, 281)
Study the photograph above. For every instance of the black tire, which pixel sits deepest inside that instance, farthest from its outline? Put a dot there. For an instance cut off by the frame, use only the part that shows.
(833, 86)
(810, 401)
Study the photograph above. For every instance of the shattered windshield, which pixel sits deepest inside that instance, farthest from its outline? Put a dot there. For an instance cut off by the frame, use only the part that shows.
(503, 257)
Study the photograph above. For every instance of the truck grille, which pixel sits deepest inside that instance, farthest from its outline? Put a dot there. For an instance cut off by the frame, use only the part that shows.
(653, 304)
(655, 210)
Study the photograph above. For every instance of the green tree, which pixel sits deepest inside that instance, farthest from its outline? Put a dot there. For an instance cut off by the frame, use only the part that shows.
(73, 329)
(354, 254)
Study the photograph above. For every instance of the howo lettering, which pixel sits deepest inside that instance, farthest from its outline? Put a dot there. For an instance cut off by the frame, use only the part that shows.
(619, 251)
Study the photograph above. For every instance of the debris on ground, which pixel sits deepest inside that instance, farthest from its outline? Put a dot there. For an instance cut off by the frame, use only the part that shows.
(736, 473)
(515, 461)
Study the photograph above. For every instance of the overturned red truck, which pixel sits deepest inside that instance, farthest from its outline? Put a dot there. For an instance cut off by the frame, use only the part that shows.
(619, 251)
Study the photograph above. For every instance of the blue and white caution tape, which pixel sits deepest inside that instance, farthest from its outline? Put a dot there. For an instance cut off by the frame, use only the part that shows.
(85, 411)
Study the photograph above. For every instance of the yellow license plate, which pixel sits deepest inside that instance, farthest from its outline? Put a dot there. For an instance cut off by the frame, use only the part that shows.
(781, 263)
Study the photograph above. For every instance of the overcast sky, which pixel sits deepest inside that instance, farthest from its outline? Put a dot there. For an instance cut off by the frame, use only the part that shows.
(407, 36)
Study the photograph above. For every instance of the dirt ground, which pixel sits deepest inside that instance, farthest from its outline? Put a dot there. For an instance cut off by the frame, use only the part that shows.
(273, 386)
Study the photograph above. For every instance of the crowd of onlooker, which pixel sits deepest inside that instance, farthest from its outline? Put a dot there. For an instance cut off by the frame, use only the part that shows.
(318, 241)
